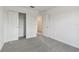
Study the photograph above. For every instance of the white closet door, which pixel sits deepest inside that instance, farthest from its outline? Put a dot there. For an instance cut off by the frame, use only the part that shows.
(12, 26)
(46, 25)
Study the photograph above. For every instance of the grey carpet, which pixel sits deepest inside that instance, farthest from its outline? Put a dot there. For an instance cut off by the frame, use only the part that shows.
(37, 44)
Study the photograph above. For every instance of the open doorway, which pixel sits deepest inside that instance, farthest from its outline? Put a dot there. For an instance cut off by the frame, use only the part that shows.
(22, 25)
(39, 25)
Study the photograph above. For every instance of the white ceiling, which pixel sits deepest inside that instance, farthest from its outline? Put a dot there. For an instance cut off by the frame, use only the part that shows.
(41, 8)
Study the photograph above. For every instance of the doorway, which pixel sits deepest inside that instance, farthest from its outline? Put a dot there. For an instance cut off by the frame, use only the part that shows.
(22, 25)
(39, 25)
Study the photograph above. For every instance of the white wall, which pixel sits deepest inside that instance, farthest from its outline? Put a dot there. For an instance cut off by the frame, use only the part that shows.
(1, 27)
(62, 24)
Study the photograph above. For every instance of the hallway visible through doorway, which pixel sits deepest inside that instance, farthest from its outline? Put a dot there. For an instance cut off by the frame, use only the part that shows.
(39, 25)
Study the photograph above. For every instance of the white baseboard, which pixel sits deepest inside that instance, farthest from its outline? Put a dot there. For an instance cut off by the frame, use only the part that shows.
(30, 36)
(76, 46)
(1, 46)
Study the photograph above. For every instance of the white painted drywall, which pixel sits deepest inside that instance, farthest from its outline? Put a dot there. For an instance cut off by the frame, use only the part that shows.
(62, 24)
(1, 27)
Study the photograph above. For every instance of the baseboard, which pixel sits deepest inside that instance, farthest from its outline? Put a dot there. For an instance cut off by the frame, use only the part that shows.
(1, 46)
(68, 43)
(27, 37)
(62, 42)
